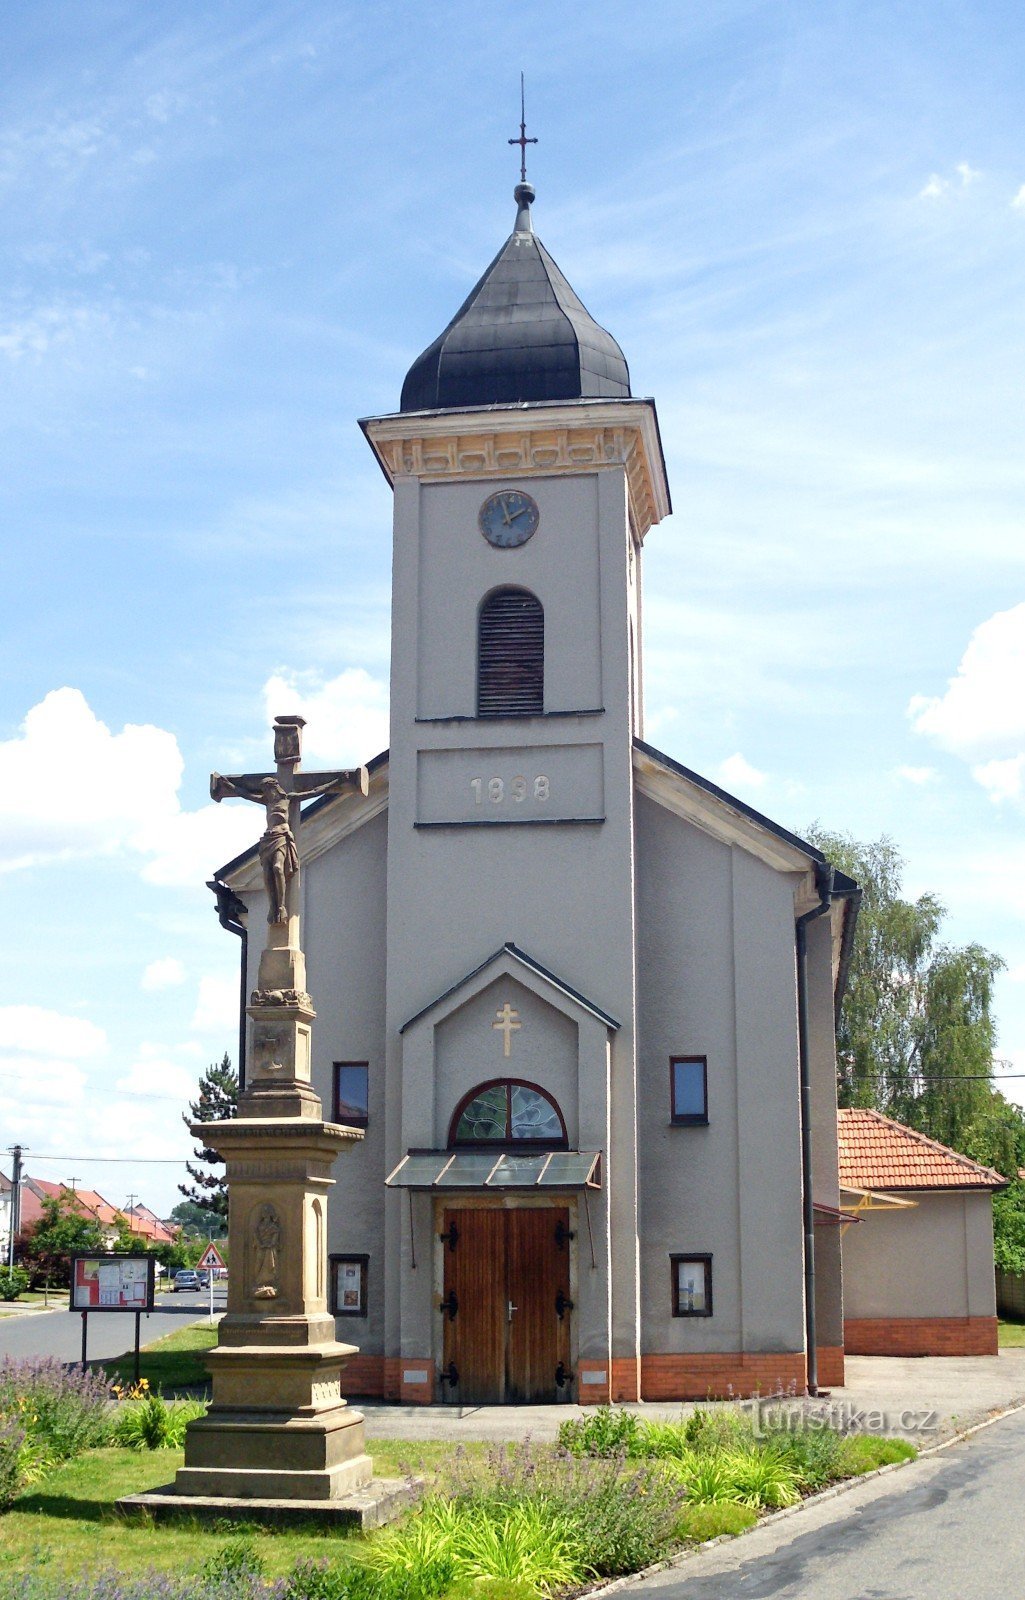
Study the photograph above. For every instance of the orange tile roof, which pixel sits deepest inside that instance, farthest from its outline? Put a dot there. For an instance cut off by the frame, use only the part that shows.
(877, 1153)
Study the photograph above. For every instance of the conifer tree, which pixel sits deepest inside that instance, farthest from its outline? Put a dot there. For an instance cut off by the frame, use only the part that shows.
(217, 1101)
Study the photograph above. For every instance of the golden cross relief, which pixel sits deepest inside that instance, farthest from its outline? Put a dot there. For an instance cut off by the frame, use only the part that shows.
(507, 1023)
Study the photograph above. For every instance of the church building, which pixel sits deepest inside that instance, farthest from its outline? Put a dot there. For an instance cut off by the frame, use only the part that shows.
(579, 998)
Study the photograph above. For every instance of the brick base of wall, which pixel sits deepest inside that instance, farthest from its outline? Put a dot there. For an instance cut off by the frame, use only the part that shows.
(830, 1366)
(593, 1383)
(625, 1380)
(921, 1336)
(383, 1378)
(714, 1377)
(364, 1376)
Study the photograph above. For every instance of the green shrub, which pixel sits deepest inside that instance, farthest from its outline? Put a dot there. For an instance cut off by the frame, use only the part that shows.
(701, 1522)
(150, 1423)
(815, 1453)
(761, 1477)
(864, 1452)
(704, 1479)
(623, 1513)
(492, 1589)
(61, 1409)
(23, 1460)
(604, 1432)
(237, 1560)
(13, 1282)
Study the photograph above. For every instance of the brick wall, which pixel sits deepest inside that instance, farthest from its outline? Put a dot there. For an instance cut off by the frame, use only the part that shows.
(831, 1372)
(364, 1375)
(712, 1377)
(921, 1336)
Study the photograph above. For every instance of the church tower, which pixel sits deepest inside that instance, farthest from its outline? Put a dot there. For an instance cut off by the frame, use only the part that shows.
(554, 969)
(525, 479)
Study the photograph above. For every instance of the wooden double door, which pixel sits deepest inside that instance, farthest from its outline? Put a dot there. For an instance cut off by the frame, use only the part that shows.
(506, 1306)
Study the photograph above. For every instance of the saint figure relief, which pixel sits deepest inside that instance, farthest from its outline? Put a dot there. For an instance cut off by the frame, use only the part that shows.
(266, 1244)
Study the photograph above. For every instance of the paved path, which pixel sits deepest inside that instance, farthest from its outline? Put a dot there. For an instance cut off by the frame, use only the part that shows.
(59, 1333)
(926, 1398)
(946, 1528)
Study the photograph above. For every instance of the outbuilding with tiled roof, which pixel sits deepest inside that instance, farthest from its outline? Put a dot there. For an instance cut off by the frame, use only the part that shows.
(918, 1275)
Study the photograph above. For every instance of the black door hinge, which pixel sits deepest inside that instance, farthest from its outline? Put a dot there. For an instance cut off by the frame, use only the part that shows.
(450, 1304)
(562, 1305)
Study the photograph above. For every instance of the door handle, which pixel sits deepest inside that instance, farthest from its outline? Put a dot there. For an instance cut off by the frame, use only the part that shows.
(512, 1308)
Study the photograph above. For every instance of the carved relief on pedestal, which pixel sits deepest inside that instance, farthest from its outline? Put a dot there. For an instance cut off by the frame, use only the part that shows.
(265, 1246)
(272, 1048)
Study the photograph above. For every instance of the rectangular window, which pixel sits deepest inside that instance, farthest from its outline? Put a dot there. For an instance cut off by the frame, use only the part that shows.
(352, 1093)
(688, 1087)
(692, 1286)
(349, 1285)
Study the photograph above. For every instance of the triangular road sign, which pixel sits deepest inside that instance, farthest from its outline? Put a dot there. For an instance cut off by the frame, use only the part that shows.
(211, 1257)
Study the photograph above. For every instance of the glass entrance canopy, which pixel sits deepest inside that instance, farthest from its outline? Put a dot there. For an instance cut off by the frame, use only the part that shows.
(491, 1169)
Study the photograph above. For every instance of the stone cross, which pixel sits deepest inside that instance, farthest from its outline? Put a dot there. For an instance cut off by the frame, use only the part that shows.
(282, 793)
(506, 1023)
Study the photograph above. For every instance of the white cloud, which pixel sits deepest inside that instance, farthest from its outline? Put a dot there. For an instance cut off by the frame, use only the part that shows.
(1019, 200)
(982, 712)
(167, 973)
(39, 1080)
(916, 775)
(32, 1030)
(159, 1076)
(937, 186)
(1002, 780)
(217, 1007)
(346, 716)
(71, 788)
(737, 773)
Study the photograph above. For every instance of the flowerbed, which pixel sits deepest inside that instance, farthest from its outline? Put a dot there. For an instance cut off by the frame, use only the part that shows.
(615, 1495)
(50, 1413)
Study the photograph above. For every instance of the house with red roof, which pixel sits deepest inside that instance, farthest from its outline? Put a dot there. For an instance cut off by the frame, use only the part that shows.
(918, 1273)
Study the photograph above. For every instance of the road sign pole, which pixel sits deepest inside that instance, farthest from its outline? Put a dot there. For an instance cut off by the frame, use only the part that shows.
(210, 1285)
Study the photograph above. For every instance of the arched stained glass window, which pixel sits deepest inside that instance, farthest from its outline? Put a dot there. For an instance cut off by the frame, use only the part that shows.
(511, 655)
(508, 1111)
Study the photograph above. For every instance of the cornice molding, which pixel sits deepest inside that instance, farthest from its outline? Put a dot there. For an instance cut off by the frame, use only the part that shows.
(529, 441)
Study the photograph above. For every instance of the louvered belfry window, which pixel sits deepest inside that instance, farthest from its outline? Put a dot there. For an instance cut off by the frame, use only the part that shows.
(511, 655)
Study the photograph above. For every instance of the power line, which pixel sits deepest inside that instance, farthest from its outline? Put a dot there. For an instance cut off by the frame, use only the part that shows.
(128, 1161)
(950, 1077)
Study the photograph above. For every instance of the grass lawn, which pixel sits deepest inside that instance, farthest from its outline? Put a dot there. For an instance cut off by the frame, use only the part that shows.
(1011, 1335)
(174, 1362)
(68, 1522)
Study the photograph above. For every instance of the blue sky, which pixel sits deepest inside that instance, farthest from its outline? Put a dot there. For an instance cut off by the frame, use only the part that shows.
(228, 229)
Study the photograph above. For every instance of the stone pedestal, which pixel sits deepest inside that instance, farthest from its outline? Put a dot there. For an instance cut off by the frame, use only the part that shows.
(278, 1428)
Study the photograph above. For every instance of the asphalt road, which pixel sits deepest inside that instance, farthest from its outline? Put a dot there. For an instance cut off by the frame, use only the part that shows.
(111, 1333)
(945, 1528)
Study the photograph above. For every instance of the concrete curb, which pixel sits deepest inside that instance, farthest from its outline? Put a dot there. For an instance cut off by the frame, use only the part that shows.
(833, 1492)
(27, 1311)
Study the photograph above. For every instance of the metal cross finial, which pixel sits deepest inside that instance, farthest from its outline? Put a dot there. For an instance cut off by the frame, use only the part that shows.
(523, 141)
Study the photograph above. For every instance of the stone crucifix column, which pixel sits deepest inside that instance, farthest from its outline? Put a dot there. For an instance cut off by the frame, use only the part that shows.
(278, 1428)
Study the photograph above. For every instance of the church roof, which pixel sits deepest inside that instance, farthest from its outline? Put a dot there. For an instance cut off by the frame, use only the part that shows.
(531, 965)
(520, 335)
(877, 1153)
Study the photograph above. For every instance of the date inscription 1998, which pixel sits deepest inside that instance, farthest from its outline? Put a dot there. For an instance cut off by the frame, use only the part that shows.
(495, 791)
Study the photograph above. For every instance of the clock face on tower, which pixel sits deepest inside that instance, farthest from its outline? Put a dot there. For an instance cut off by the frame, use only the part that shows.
(508, 518)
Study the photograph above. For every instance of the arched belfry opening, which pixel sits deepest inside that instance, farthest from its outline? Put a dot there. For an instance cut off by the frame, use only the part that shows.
(511, 655)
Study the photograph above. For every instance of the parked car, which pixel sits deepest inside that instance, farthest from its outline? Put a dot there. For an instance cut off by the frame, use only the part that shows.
(186, 1278)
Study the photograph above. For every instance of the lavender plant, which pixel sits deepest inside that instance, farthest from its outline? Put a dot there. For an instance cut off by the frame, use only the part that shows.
(62, 1409)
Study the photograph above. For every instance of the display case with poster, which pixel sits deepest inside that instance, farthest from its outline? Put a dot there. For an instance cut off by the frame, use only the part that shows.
(112, 1283)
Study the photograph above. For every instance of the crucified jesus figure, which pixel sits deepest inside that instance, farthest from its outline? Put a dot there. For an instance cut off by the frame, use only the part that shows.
(281, 794)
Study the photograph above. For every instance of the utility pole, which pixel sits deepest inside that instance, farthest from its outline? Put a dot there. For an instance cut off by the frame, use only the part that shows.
(17, 1152)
